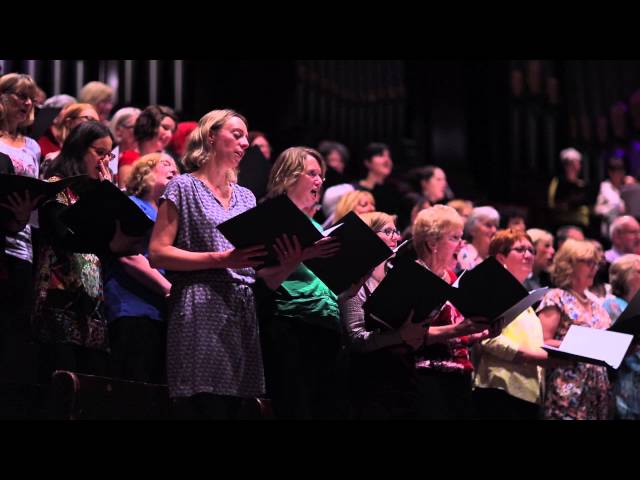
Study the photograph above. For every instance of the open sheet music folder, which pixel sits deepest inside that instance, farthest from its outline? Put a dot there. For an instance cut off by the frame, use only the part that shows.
(100, 205)
(18, 184)
(591, 345)
(361, 250)
(267, 221)
(487, 291)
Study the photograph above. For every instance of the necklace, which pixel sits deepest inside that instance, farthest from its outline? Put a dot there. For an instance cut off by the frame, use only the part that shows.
(582, 298)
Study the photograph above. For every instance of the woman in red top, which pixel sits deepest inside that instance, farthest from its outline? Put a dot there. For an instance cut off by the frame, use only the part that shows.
(444, 366)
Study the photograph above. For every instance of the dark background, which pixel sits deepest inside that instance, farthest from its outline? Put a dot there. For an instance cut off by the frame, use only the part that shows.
(495, 126)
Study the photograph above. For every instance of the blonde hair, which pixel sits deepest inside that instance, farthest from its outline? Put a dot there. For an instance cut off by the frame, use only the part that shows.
(199, 149)
(564, 263)
(70, 112)
(431, 223)
(377, 220)
(14, 83)
(463, 207)
(349, 201)
(539, 235)
(619, 273)
(288, 168)
(95, 92)
(141, 177)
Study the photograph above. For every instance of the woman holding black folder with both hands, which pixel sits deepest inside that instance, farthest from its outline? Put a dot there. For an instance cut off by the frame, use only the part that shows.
(509, 378)
(382, 372)
(444, 366)
(213, 351)
(301, 329)
(580, 391)
(68, 316)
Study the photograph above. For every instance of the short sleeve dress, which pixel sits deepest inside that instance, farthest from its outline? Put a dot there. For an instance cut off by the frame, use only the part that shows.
(212, 337)
(581, 392)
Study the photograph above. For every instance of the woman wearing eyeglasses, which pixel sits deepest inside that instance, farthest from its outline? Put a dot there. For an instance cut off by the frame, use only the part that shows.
(301, 330)
(580, 391)
(17, 92)
(382, 382)
(68, 316)
(444, 366)
(509, 378)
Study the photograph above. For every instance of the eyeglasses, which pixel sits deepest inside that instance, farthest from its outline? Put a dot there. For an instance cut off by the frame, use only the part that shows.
(313, 175)
(84, 118)
(522, 250)
(103, 153)
(589, 263)
(23, 97)
(390, 232)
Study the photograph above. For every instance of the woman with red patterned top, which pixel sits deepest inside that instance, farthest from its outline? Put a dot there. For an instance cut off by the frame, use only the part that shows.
(444, 366)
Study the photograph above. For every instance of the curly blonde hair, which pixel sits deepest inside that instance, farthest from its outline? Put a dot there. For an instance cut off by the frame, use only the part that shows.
(141, 178)
(199, 148)
(348, 202)
(566, 259)
(288, 168)
(431, 224)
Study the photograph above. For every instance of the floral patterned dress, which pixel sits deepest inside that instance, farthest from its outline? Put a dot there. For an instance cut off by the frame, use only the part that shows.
(582, 391)
(69, 303)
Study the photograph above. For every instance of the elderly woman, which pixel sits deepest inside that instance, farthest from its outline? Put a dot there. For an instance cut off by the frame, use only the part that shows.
(544, 251)
(480, 227)
(580, 391)
(101, 96)
(122, 124)
(624, 276)
(444, 366)
(382, 377)
(135, 293)
(509, 378)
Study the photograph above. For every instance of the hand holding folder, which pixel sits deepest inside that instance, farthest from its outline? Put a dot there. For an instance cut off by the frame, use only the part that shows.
(266, 222)
(591, 345)
(10, 185)
(360, 251)
(488, 293)
(101, 210)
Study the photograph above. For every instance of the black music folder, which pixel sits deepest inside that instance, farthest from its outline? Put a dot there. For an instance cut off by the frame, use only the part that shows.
(267, 221)
(18, 184)
(361, 250)
(408, 286)
(100, 205)
(489, 290)
(629, 320)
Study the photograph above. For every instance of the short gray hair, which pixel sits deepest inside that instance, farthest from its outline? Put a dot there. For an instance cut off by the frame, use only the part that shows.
(479, 213)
